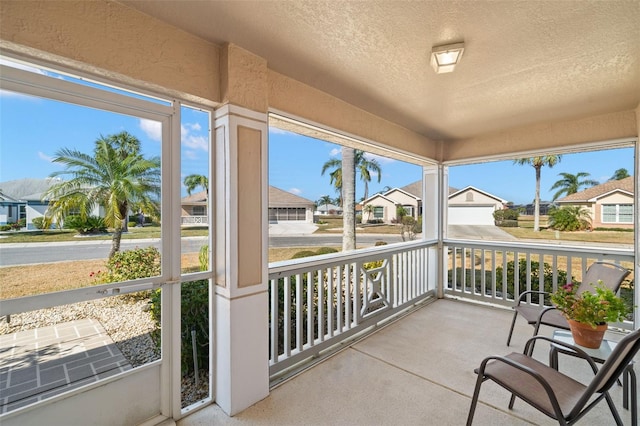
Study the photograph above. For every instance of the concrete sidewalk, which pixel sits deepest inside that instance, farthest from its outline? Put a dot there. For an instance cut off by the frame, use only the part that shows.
(46, 361)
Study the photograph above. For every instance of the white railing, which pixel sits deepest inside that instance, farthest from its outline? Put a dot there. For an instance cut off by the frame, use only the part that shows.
(475, 269)
(194, 220)
(318, 302)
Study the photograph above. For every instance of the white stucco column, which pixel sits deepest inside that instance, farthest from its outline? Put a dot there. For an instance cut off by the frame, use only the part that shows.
(241, 237)
(432, 223)
(636, 217)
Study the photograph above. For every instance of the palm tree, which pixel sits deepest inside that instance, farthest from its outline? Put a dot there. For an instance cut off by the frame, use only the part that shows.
(537, 163)
(191, 182)
(116, 177)
(335, 177)
(570, 184)
(620, 174)
(364, 166)
(348, 176)
(325, 200)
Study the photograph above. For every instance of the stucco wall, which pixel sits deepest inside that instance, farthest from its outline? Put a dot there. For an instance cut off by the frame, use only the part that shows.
(544, 136)
(113, 41)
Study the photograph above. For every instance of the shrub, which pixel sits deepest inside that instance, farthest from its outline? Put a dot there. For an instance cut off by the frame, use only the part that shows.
(19, 224)
(303, 253)
(5, 227)
(380, 243)
(326, 250)
(410, 227)
(90, 225)
(506, 217)
(39, 222)
(547, 271)
(130, 265)
(203, 258)
(194, 306)
(570, 218)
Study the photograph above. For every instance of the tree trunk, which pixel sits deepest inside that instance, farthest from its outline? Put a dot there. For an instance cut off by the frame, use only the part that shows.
(115, 241)
(536, 203)
(348, 199)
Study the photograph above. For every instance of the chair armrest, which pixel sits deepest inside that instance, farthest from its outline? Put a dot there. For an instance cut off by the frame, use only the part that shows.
(528, 292)
(579, 352)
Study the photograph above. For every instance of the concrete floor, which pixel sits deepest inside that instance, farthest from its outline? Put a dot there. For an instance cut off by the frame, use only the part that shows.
(416, 371)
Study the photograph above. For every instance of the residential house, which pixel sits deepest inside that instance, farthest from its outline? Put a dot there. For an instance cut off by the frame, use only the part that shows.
(610, 204)
(327, 209)
(283, 206)
(194, 209)
(468, 206)
(24, 199)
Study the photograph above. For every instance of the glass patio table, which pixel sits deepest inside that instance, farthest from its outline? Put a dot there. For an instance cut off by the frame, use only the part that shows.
(599, 356)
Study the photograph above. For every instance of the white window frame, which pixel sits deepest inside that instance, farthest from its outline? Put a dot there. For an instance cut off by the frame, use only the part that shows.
(29, 83)
(617, 213)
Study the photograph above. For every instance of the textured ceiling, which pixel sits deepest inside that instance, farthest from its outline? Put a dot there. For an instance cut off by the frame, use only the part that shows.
(525, 62)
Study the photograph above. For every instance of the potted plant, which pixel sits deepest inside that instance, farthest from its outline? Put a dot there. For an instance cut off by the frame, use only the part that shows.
(589, 312)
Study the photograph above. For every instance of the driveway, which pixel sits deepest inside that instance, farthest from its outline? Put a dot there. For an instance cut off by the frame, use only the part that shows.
(479, 232)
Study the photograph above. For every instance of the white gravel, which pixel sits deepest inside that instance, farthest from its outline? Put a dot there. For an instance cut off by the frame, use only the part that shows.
(125, 318)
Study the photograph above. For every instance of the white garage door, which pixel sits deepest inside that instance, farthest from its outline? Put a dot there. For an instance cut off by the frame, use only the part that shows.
(470, 215)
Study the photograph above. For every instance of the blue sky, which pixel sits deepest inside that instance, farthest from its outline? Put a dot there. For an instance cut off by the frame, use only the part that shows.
(33, 129)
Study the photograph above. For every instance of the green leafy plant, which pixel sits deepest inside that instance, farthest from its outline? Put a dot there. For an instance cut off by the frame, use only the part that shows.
(130, 265)
(570, 218)
(593, 308)
(89, 225)
(39, 222)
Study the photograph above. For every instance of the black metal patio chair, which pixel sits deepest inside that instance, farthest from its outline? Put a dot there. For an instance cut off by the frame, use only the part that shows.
(550, 391)
(610, 274)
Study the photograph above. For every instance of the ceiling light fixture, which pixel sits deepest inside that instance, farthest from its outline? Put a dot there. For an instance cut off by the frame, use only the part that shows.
(445, 58)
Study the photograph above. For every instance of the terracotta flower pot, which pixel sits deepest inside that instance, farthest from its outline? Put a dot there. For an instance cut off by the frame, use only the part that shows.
(585, 335)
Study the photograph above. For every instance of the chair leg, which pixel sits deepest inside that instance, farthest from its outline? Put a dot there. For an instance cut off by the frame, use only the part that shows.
(474, 400)
(613, 409)
(513, 324)
(512, 401)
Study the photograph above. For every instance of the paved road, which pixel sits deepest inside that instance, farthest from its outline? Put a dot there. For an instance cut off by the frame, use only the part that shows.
(29, 253)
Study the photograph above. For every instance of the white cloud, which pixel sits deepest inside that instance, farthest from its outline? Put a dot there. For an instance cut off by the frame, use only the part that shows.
(295, 191)
(190, 155)
(194, 126)
(195, 142)
(45, 157)
(335, 151)
(153, 129)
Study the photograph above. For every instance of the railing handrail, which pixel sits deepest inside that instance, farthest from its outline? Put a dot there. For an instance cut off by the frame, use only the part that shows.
(291, 266)
(550, 246)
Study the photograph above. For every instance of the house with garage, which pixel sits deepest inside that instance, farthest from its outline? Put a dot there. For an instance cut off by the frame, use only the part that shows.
(472, 206)
(610, 204)
(285, 206)
(468, 206)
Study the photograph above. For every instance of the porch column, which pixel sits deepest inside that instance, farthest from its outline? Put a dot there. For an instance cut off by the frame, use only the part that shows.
(636, 217)
(433, 221)
(241, 234)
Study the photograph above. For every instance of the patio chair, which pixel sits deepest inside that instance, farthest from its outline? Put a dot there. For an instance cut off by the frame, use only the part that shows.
(536, 315)
(550, 391)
